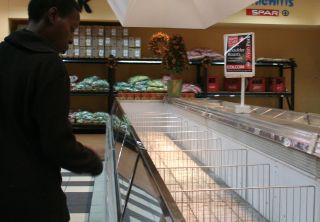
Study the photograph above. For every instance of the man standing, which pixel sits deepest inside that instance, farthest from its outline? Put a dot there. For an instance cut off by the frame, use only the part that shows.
(36, 139)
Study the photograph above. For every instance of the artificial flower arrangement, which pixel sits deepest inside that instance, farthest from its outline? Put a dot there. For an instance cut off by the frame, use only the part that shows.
(171, 49)
(174, 58)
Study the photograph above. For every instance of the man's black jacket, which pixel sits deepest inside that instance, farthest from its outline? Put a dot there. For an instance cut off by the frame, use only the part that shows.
(36, 140)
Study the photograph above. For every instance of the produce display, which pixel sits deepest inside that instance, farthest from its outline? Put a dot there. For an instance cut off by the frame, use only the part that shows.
(187, 87)
(88, 118)
(141, 83)
(136, 79)
(92, 83)
(121, 125)
(201, 53)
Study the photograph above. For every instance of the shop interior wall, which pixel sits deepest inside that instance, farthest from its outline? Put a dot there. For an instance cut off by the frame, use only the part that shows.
(300, 43)
(4, 27)
(275, 42)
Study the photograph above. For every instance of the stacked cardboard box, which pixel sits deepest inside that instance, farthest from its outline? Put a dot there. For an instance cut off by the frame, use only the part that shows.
(93, 41)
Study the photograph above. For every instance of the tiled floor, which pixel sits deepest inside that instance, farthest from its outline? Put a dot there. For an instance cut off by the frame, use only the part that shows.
(85, 194)
(141, 206)
(78, 189)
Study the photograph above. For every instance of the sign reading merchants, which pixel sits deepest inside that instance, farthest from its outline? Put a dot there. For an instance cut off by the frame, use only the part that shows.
(239, 55)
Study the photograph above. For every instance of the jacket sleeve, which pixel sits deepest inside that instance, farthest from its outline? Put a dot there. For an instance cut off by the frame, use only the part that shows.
(51, 108)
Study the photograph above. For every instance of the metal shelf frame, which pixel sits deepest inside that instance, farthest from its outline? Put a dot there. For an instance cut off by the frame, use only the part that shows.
(89, 93)
(88, 129)
(289, 96)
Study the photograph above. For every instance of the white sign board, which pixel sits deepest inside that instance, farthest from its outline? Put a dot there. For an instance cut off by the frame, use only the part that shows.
(239, 55)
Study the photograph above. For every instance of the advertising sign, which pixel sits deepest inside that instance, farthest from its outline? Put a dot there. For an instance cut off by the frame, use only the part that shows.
(239, 55)
(275, 8)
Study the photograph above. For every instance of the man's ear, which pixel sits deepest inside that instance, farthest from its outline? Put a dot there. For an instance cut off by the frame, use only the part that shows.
(52, 15)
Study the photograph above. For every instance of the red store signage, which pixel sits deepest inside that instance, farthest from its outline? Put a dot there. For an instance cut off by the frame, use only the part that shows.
(262, 12)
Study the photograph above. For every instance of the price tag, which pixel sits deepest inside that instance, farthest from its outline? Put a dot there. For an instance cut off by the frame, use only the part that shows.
(125, 42)
(113, 31)
(138, 42)
(107, 40)
(76, 52)
(101, 53)
(125, 32)
(76, 41)
(88, 42)
(100, 31)
(114, 52)
(125, 53)
(88, 31)
(100, 42)
(88, 52)
(76, 31)
(137, 53)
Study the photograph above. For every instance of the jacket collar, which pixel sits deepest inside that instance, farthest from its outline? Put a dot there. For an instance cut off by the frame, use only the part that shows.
(31, 41)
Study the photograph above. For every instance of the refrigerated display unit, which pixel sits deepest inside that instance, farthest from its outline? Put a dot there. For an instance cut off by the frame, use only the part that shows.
(198, 160)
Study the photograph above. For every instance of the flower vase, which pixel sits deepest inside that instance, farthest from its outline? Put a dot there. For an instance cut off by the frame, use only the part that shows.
(174, 87)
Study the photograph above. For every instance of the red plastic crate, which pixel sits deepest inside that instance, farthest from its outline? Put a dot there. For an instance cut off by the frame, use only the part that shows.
(277, 84)
(257, 84)
(213, 84)
(232, 84)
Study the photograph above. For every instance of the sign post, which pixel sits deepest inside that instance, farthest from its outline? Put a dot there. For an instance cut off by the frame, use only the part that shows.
(239, 61)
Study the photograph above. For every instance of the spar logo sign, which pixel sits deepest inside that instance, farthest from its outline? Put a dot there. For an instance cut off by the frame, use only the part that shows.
(273, 10)
(262, 12)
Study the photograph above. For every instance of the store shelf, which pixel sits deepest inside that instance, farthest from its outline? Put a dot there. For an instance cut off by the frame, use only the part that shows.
(84, 60)
(88, 129)
(201, 72)
(146, 61)
(89, 93)
(277, 64)
(142, 61)
(234, 94)
(290, 65)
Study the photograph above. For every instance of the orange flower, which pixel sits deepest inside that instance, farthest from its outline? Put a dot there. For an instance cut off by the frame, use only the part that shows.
(158, 43)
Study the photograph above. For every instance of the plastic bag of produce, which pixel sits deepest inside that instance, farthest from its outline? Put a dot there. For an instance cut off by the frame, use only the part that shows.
(123, 88)
(100, 85)
(82, 86)
(139, 78)
(90, 79)
(156, 83)
(165, 79)
(141, 87)
(123, 84)
(191, 88)
(142, 83)
(83, 117)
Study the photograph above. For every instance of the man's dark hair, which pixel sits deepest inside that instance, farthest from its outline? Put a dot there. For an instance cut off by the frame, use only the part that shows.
(38, 8)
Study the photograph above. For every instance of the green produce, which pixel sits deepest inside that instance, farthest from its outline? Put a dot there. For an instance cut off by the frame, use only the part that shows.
(135, 79)
(156, 83)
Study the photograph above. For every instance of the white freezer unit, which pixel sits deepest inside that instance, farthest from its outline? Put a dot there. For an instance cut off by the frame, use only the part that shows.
(222, 166)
